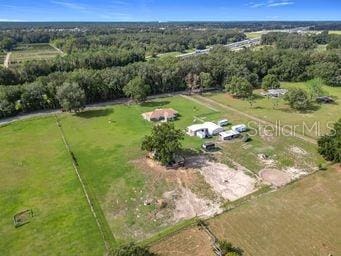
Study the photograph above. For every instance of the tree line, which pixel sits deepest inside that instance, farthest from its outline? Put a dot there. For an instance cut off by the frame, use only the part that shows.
(92, 59)
(219, 69)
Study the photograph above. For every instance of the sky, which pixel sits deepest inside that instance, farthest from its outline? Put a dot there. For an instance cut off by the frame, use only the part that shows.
(168, 10)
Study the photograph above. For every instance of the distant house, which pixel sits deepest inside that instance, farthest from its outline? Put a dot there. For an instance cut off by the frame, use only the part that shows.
(275, 93)
(165, 114)
(229, 135)
(239, 128)
(204, 130)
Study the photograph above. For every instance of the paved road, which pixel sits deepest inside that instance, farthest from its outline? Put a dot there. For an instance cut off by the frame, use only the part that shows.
(6, 62)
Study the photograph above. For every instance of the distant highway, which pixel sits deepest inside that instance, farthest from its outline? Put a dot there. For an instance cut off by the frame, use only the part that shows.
(232, 46)
(246, 43)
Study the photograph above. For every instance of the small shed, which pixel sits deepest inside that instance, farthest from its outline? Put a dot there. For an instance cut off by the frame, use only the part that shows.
(239, 128)
(229, 135)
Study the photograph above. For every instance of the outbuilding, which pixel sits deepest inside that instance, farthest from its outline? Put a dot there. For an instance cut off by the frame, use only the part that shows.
(229, 135)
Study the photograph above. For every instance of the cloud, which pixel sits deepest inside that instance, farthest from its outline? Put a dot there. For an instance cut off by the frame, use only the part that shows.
(270, 3)
(8, 20)
(69, 5)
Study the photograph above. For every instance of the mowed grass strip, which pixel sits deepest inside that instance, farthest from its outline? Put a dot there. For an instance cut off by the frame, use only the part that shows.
(300, 219)
(36, 173)
(309, 123)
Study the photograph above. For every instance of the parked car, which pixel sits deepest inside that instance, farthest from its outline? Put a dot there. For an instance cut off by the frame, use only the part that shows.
(223, 122)
(208, 146)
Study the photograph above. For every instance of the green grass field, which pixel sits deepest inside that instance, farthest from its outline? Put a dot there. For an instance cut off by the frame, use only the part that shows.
(336, 32)
(253, 35)
(25, 52)
(36, 173)
(300, 219)
(264, 108)
(106, 143)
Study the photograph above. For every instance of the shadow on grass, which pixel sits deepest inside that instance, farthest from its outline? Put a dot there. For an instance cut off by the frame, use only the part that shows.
(155, 103)
(95, 113)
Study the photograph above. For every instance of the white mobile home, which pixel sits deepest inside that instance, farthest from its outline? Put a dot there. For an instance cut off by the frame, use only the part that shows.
(229, 135)
(207, 128)
(239, 128)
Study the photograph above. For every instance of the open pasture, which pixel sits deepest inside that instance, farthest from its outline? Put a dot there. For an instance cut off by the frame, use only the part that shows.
(25, 52)
(137, 198)
(312, 123)
(36, 174)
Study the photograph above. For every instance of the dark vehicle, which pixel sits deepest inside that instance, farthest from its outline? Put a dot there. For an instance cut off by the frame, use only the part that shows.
(208, 146)
(324, 99)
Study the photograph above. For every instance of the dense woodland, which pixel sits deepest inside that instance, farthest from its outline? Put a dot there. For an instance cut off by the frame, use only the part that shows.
(103, 65)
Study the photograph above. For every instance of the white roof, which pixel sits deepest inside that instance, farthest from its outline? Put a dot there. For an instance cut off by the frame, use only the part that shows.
(228, 133)
(223, 120)
(197, 127)
(211, 126)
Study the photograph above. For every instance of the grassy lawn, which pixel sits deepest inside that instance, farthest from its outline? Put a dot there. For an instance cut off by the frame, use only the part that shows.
(36, 173)
(264, 108)
(300, 219)
(24, 52)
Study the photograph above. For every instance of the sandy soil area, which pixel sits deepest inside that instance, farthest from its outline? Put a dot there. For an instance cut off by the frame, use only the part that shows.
(275, 177)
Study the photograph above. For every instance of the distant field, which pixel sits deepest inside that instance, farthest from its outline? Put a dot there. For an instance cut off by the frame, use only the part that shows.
(337, 32)
(36, 173)
(264, 108)
(252, 35)
(300, 219)
(24, 52)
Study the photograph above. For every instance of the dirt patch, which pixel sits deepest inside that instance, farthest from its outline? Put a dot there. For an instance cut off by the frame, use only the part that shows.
(266, 160)
(295, 172)
(230, 183)
(298, 151)
(275, 177)
(189, 205)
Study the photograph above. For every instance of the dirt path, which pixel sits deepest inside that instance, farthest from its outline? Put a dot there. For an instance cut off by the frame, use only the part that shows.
(6, 62)
(211, 104)
(57, 49)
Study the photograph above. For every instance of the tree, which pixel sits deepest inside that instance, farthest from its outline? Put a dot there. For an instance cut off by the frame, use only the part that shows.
(270, 82)
(137, 89)
(206, 80)
(164, 142)
(228, 249)
(315, 88)
(192, 81)
(7, 44)
(329, 146)
(298, 99)
(239, 87)
(71, 97)
(132, 249)
(6, 108)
